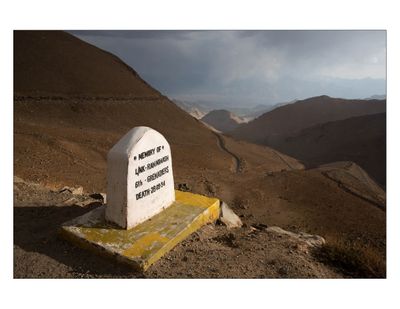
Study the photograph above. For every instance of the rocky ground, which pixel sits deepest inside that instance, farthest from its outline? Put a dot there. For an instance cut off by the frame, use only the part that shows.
(253, 251)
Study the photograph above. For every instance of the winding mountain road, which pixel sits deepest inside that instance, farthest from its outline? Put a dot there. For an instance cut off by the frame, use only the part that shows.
(238, 163)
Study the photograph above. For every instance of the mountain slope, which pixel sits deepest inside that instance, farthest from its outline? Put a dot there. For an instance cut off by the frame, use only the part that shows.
(58, 63)
(354, 179)
(67, 137)
(272, 127)
(262, 109)
(222, 120)
(358, 139)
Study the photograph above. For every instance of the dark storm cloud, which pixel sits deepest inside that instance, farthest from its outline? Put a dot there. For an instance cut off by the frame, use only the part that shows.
(133, 34)
(252, 67)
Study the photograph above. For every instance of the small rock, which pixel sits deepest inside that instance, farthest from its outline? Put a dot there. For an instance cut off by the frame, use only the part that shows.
(228, 217)
(71, 201)
(183, 187)
(260, 226)
(74, 191)
(77, 191)
(283, 271)
(88, 202)
(64, 189)
(99, 196)
(253, 229)
(18, 179)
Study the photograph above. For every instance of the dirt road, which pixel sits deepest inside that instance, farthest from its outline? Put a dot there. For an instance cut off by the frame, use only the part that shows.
(238, 162)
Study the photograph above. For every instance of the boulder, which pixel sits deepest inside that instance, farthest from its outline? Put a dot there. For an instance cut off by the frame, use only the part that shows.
(228, 217)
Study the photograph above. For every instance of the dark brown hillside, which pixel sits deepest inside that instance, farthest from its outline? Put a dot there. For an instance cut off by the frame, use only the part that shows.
(358, 139)
(55, 62)
(270, 128)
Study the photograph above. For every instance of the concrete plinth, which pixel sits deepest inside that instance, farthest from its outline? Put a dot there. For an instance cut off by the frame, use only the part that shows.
(147, 242)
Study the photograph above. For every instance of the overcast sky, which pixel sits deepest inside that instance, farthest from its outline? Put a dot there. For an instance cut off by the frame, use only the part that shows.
(247, 68)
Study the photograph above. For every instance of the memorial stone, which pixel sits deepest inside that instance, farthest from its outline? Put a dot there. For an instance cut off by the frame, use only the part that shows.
(144, 217)
(140, 181)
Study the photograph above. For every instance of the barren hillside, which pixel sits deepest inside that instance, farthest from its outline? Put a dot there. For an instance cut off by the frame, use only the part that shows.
(57, 63)
(359, 139)
(287, 120)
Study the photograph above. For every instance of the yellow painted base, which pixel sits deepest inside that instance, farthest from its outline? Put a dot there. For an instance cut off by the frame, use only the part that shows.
(146, 243)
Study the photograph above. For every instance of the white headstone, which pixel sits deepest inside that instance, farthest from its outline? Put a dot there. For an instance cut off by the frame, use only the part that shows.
(140, 181)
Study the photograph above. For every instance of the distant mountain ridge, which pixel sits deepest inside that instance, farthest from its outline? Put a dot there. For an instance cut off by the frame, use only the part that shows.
(286, 120)
(322, 129)
(222, 120)
(262, 109)
(359, 139)
(194, 110)
(198, 110)
(377, 97)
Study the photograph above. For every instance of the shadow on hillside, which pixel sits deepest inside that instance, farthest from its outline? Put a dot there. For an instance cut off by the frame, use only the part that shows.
(35, 230)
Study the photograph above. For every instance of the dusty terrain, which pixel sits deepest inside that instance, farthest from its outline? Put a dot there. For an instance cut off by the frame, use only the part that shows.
(212, 252)
(62, 139)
